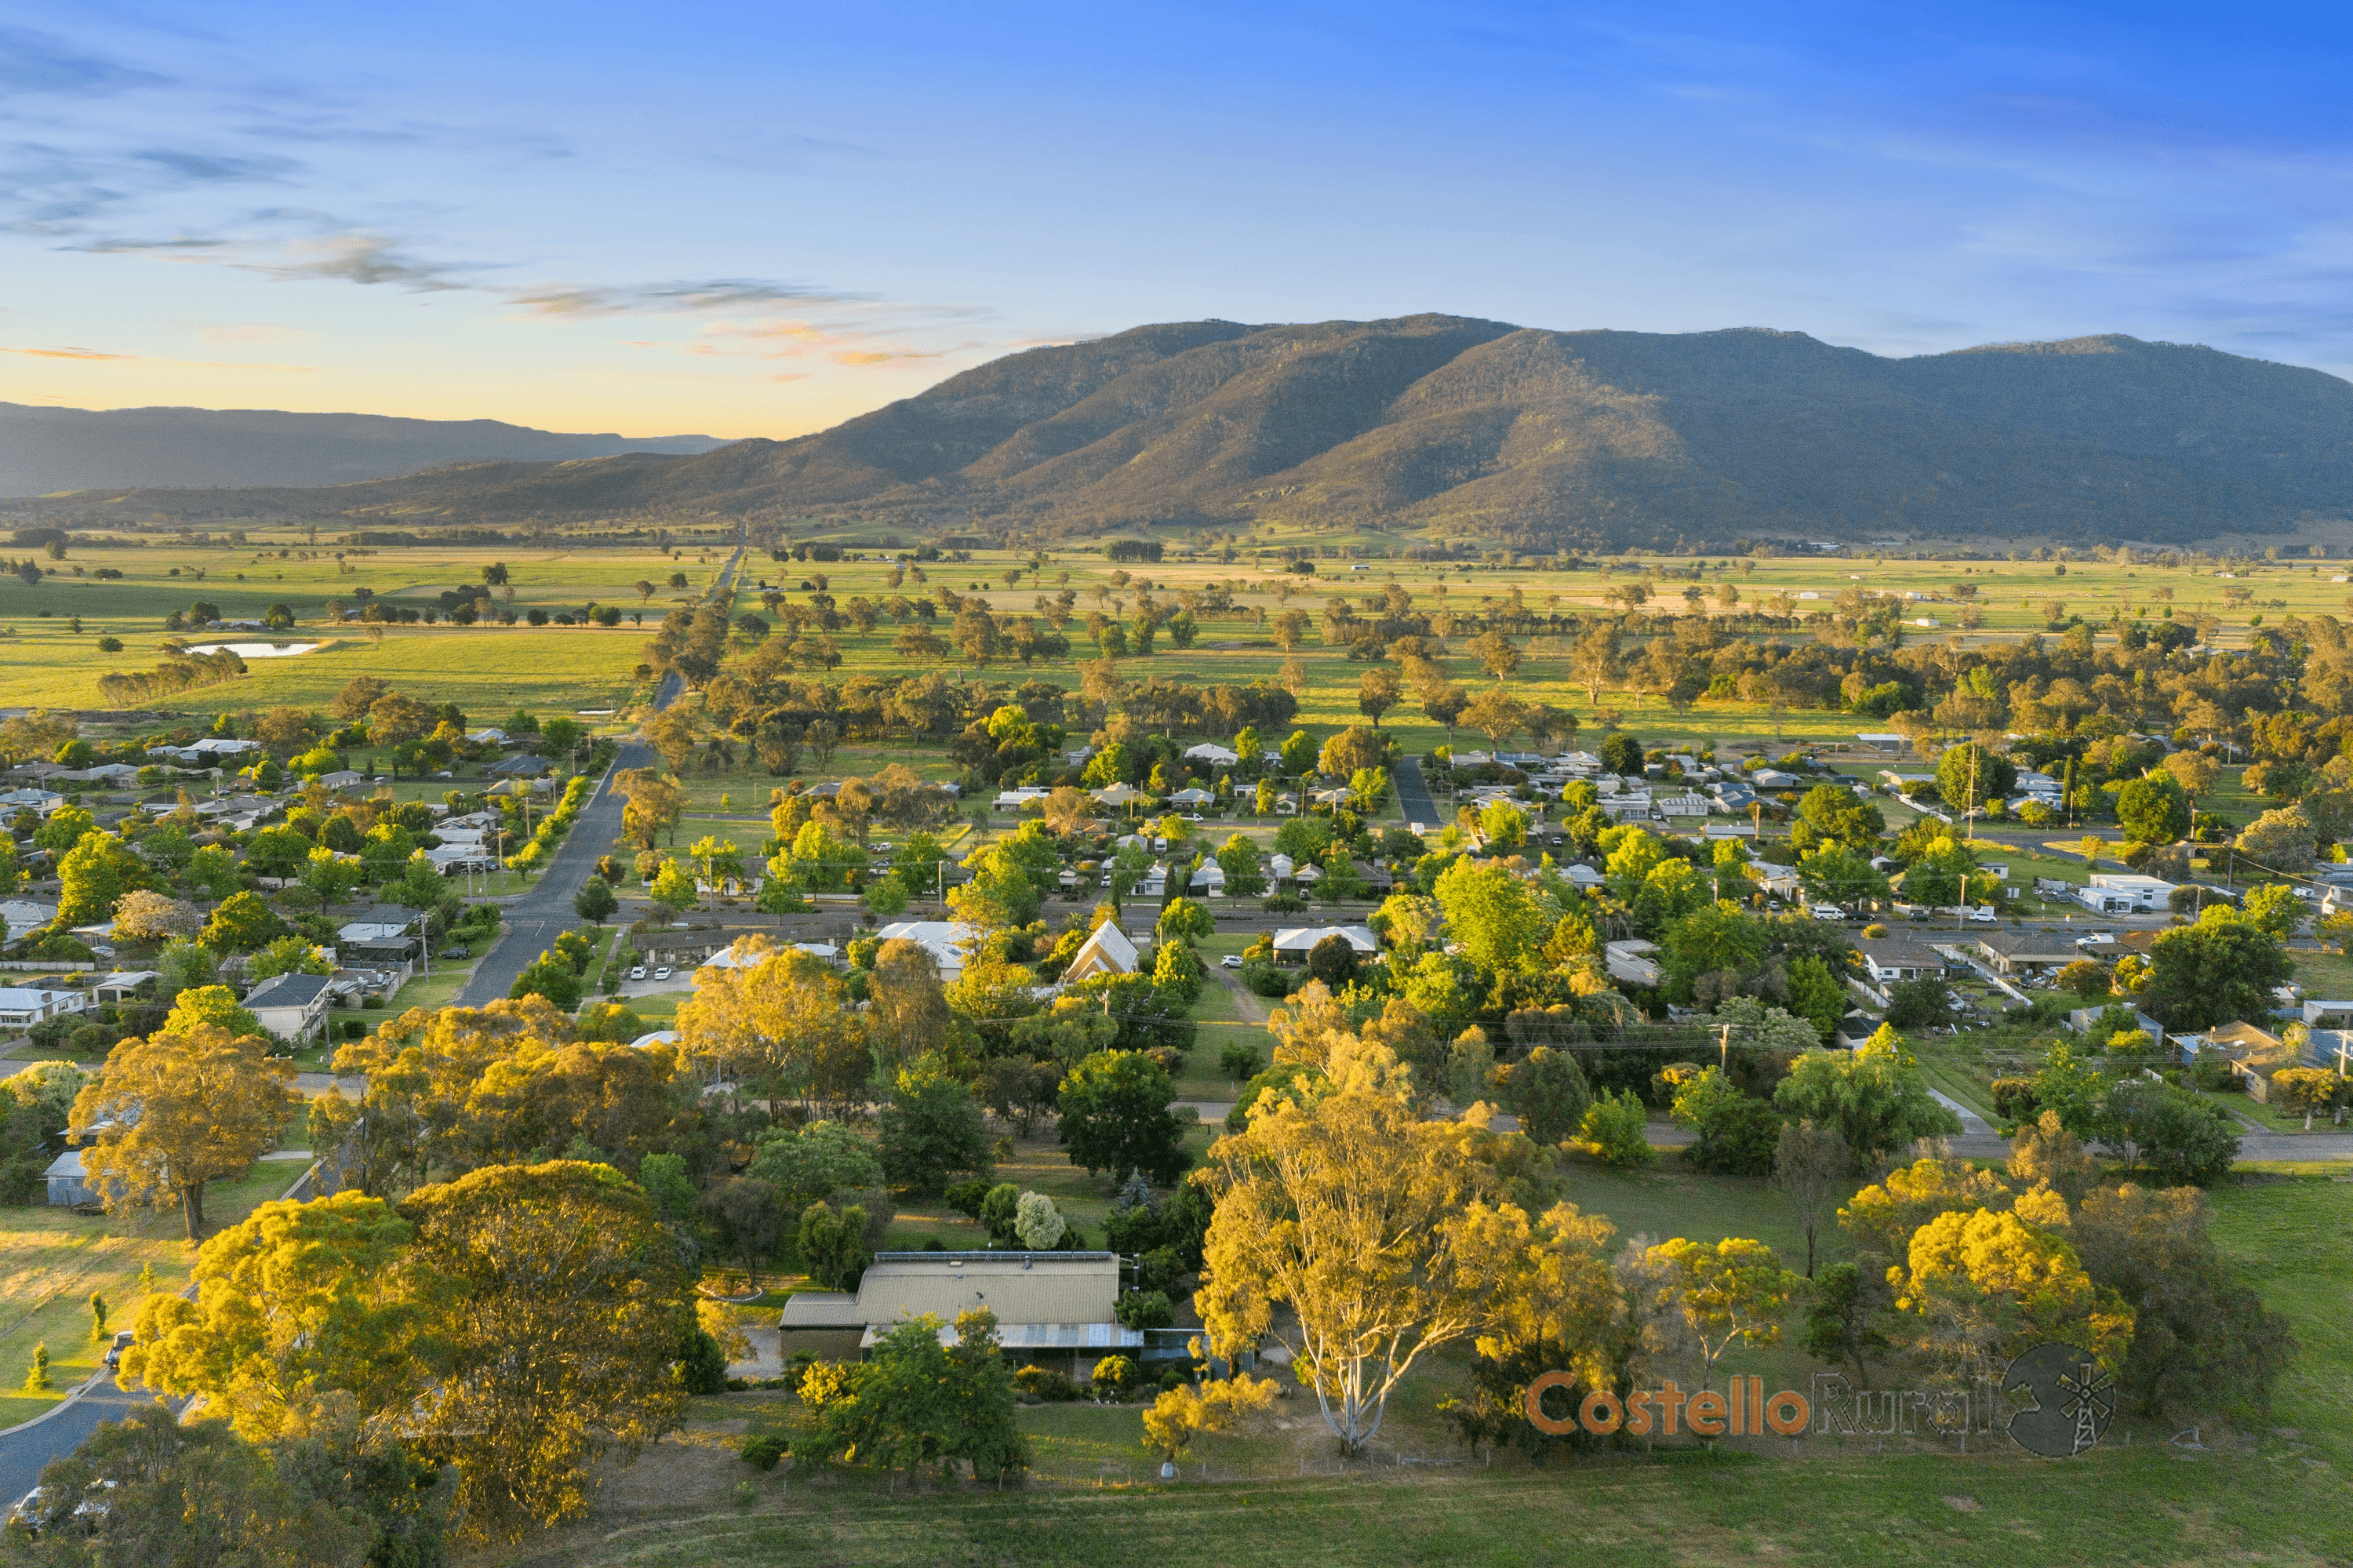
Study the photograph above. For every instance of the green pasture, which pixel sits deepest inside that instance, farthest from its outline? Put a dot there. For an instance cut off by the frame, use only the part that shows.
(52, 1260)
(487, 669)
(2269, 1492)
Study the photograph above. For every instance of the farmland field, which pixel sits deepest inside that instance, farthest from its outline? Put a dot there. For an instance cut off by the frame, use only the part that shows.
(488, 670)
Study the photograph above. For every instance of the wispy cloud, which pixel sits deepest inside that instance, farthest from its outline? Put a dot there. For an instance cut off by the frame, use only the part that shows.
(36, 62)
(663, 299)
(358, 258)
(94, 355)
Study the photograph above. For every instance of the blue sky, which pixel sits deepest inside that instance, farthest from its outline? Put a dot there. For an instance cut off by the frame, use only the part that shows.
(757, 220)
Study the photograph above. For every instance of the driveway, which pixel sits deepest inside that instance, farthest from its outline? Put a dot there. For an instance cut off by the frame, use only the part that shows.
(1413, 795)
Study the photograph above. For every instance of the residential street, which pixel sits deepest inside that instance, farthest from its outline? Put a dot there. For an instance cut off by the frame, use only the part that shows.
(538, 916)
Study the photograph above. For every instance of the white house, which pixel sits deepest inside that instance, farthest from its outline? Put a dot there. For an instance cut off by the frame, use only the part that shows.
(948, 941)
(293, 1007)
(1629, 963)
(41, 803)
(1212, 753)
(122, 985)
(23, 915)
(1191, 797)
(1294, 943)
(21, 1007)
(2115, 893)
(1106, 951)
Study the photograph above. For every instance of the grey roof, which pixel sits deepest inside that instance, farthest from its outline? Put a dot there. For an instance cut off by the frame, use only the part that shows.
(288, 990)
(518, 766)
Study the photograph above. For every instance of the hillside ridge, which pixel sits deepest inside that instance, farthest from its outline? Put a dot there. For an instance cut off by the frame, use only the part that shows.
(1531, 437)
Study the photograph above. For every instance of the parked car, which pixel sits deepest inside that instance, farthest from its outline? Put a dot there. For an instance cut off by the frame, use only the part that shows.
(121, 1343)
(637, 973)
(662, 973)
(1231, 961)
(1827, 912)
(456, 952)
(1984, 916)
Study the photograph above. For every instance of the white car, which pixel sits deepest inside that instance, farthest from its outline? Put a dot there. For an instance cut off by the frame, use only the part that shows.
(1827, 912)
(1231, 961)
(1984, 916)
(637, 973)
(662, 973)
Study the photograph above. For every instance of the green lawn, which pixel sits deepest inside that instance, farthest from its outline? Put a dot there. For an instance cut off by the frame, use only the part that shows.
(2271, 1493)
(51, 1261)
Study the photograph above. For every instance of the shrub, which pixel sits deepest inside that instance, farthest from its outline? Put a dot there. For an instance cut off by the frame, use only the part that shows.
(1046, 1383)
(1146, 1310)
(2013, 1099)
(1265, 979)
(1160, 1269)
(1239, 1060)
(1115, 1378)
(763, 1452)
(1616, 1130)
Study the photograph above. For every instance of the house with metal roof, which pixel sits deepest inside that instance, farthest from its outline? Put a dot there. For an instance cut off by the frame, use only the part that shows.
(1106, 951)
(293, 1007)
(1047, 1304)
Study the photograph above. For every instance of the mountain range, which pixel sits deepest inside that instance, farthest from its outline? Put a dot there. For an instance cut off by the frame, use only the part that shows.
(1538, 438)
(44, 449)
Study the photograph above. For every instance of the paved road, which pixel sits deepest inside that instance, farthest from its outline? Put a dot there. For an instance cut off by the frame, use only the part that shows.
(26, 1451)
(537, 918)
(1413, 795)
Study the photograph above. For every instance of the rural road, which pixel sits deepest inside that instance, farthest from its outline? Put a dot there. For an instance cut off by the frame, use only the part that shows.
(25, 1450)
(543, 914)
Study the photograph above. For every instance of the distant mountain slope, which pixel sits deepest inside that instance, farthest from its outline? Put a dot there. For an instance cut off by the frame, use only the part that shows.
(44, 449)
(1539, 439)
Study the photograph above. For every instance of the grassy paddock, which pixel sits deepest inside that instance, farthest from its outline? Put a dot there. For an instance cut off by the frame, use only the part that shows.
(2271, 1492)
(52, 1260)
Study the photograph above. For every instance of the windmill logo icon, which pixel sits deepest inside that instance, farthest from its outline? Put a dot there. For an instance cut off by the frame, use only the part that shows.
(2068, 1399)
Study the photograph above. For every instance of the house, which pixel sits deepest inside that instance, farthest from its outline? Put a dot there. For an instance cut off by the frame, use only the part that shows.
(1119, 795)
(380, 937)
(1904, 783)
(1076, 755)
(1292, 944)
(2115, 893)
(1774, 779)
(1887, 745)
(1047, 1304)
(1106, 951)
(1210, 879)
(2015, 953)
(122, 985)
(487, 737)
(2082, 1019)
(2253, 1055)
(1281, 866)
(217, 748)
(1889, 961)
(654, 1038)
(948, 941)
(1190, 797)
(21, 1007)
(1629, 963)
(41, 803)
(23, 915)
(1683, 805)
(344, 778)
(1583, 876)
(69, 1186)
(1214, 754)
(1014, 799)
(2329, 1014)
(293, 1007)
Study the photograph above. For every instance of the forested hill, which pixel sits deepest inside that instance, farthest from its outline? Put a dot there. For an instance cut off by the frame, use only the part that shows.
(1542, 439)
(44, 450)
